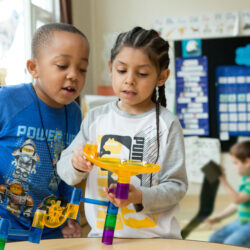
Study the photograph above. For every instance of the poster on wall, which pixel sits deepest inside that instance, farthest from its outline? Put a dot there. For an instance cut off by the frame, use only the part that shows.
(207, 25)
(192, 95)
(207, 148)
(245, 23)
(233, 100)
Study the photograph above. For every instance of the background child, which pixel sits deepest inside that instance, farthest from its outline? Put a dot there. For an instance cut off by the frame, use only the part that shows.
(136, 127)
(238, 231)
(36, 124)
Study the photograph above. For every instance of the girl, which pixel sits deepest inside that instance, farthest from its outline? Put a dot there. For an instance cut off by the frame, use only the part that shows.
(136, 127)
(238, 231)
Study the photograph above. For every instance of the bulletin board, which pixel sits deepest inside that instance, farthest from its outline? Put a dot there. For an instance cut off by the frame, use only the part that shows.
(233, 100)
(219, 52)
(192, 95)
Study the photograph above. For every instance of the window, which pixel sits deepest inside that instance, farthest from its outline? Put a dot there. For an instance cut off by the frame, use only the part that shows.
(18, 22)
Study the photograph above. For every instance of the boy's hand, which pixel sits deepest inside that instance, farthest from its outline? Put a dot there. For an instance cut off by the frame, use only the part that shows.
(134, 196)
(79, 161)
(72, 229)
(212, 220)
(223, 177)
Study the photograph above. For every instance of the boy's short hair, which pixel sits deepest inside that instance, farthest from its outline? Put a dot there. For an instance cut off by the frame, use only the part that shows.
(241, 150)
(44, 35)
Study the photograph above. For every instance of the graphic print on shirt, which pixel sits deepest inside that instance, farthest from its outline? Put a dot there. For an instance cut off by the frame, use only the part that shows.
(141, 147)
(16, 189)
(57, 140)
(58, 144)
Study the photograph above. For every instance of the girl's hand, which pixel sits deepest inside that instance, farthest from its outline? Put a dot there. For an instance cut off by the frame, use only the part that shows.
(72, 229)
(134, 196)
(79, 161)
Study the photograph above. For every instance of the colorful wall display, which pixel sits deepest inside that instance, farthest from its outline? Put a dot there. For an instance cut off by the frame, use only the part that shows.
(207, 25)
(233, 100)
(192, 95)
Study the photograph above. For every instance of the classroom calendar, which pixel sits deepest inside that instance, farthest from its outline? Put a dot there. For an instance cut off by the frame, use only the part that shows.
(233, 100)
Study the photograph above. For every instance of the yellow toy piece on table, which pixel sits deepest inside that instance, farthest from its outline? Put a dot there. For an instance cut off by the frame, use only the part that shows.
(56, 215)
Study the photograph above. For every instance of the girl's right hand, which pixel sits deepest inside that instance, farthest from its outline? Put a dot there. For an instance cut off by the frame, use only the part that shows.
(79, 161)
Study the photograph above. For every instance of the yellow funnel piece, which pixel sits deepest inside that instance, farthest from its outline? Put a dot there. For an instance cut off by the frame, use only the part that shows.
(124, 169)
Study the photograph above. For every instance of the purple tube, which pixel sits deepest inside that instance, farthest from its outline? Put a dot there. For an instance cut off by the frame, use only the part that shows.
(122, 191)
(107, 237)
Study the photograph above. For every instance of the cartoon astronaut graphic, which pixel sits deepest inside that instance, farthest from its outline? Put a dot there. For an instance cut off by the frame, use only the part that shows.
(17, 196)
(16, 188)
(25, 160)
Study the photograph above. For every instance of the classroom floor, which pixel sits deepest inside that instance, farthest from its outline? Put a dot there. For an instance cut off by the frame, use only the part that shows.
(189, 207)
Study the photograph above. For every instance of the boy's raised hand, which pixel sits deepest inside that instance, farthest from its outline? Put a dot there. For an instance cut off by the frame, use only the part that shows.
(134, 196)
(79, 161)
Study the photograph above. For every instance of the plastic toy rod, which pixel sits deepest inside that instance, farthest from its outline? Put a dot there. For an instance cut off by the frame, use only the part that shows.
(96, 202)
(19, 232)
(110, 222)
(2, 243)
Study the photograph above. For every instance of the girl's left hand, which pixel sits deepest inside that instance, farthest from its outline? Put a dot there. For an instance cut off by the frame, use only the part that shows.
(134, 196)
(72, 229)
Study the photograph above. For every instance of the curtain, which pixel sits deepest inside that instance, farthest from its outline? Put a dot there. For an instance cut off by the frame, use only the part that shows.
(66, 11)
(66, 17)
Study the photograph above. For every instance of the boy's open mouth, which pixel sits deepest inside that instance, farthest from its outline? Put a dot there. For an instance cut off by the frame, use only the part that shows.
(70, 89)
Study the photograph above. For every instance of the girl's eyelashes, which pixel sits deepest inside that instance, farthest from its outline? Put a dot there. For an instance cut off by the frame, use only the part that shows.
(140, 74)
(61, 66)
(121, 71)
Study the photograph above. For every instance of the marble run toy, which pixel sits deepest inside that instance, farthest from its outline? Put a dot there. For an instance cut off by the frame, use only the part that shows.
(53, 212)
(124, 169)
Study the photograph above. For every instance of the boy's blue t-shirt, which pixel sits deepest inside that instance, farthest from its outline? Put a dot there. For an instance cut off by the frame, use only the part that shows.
(26, 172)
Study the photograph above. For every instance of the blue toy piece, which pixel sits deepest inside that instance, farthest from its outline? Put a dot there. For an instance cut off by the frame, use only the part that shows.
(49, 216)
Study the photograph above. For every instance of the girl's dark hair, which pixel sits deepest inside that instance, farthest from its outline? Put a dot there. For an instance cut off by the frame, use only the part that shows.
(241, 150)
(156, 48)
(44, 35)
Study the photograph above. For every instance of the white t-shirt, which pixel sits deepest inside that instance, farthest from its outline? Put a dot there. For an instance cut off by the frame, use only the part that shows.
(129, 136)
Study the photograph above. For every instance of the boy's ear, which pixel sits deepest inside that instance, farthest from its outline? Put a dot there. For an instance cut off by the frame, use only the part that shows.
(110, 68)
(163, 77)
(247, 161)
(31, 65)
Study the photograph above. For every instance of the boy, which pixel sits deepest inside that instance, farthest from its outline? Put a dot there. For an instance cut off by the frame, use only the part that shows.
(37, 122)
(237, 232)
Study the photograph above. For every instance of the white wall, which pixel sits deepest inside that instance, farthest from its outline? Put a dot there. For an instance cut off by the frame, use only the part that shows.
(100, 18)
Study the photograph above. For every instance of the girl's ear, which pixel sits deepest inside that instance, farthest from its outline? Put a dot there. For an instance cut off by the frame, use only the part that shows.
(31, 65)
(163, 77)
(110, 68)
